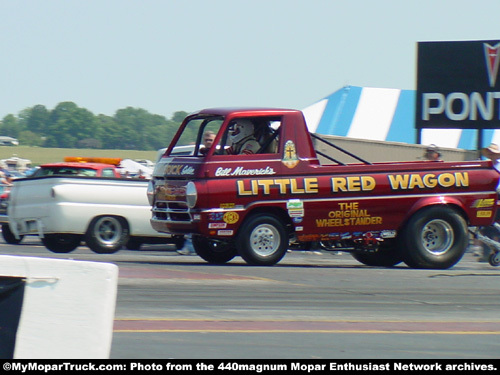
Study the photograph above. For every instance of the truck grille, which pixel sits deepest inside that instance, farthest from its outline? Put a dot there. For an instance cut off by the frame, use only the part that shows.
(171, 211)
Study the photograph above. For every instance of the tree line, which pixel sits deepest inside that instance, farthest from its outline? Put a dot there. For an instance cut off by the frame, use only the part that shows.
(70, 126)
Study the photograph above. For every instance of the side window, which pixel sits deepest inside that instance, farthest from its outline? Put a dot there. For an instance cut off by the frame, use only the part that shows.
(108, 173)
(252, 135)
(267, 134)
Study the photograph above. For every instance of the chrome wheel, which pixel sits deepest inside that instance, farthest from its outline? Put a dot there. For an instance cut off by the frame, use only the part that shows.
(108, 230)
(262, 240)
(437, 236)
(265, 240)
(107, 234)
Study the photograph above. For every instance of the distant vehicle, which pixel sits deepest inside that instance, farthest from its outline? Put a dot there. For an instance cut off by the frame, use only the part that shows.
(16, 163)
(8, 141)
(82, 200)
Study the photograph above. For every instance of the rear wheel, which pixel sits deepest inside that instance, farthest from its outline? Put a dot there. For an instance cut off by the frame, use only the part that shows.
(9, 237)
(434, 237)
(262, 240)
(215, 252)
(61, 242)
(107, 234)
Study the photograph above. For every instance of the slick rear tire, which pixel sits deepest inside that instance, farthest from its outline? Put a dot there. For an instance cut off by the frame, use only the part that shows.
(262, 240)
(107, 234)
(61, 243)
(435, 238)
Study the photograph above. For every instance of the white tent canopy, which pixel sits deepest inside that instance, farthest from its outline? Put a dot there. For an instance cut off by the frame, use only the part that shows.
(385, 115)
(134, 168)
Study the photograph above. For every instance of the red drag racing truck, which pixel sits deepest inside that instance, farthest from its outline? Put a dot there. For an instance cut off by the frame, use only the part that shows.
(276, 195)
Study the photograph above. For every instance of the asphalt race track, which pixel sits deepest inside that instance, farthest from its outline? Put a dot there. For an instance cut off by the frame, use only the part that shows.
(309, 306)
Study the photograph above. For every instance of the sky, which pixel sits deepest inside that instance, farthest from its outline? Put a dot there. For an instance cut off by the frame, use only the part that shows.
(184, 55)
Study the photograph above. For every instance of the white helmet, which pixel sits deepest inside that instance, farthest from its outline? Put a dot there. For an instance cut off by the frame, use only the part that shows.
(240, 129)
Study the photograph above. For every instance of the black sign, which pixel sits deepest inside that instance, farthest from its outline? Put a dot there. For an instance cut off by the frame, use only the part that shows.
(458, 85)
(11, 302)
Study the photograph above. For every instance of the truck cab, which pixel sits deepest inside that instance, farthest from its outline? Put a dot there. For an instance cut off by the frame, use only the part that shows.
(259, 196)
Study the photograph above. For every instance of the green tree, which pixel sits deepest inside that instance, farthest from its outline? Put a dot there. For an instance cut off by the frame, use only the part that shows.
(29, 138)
(69, 124)
(10, 126)
(36, 119)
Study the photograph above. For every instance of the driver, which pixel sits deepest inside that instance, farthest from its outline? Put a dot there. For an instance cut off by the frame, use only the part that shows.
(241, 135)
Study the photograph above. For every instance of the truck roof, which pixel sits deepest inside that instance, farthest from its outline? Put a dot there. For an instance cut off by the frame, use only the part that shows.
(224, 111)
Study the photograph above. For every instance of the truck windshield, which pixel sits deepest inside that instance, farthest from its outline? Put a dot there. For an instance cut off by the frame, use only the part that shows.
(65, 171)
(197, 136)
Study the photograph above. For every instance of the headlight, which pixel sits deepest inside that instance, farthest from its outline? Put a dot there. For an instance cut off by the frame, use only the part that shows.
(150, 192)
(191, 194)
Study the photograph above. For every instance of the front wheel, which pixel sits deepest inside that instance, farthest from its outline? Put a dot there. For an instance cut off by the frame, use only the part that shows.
(262, 240)
(215, 252)
(435, 238)
(107, 234)
(61, 243)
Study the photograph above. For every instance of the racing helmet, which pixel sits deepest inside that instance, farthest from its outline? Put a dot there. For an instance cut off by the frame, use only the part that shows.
(240, 129)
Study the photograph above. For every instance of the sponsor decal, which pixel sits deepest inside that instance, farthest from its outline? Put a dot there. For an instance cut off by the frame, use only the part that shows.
(179, 169)
(296, 213)
(215, 216)
(290, 159)
(295, 209)
(308, 237)
(226, 232)
(294, 204)
(241, 171)
(483, 203)
(388, 234)
(484, 213)
(217, 225)
(231, 217)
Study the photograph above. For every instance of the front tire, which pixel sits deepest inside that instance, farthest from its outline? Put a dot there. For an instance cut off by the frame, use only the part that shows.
(262, 240)
(434, 238)
(214, 252)
(107, 234)
(61, 243)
